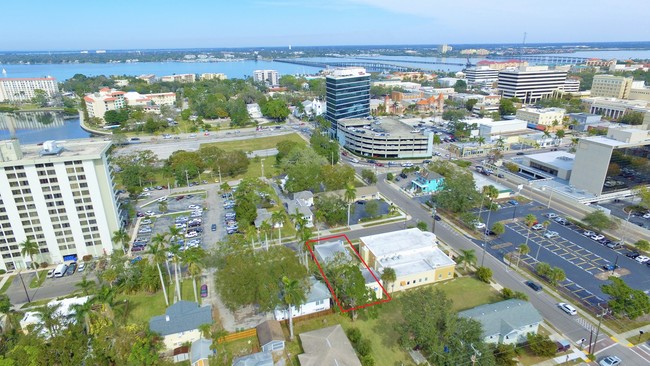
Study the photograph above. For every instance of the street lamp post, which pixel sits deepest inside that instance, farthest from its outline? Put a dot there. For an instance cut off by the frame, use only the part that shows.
(485, 233)
(627, 223)
(550, 196)
(187, 178)
(433, 215)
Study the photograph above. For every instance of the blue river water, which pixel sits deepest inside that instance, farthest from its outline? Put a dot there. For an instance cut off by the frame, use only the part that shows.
(37, 128)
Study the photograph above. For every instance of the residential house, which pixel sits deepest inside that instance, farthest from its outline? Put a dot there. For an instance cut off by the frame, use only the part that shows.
(412, 253)
(200, 352)
(65, 314)
(256, 359)
(314, 108)
(317, 299)
(506, 322)
(264, 215)
(181, 322)
(181, 354)
(304, 211)
(304, 198)
(427, 182)
(270, 336)
(362, 193)
(326, 347)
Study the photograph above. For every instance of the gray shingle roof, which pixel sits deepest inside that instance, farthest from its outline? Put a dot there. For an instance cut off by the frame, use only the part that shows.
(327, 347)
(503, 317)
(200, 349)
(183, 316)
(269, 331)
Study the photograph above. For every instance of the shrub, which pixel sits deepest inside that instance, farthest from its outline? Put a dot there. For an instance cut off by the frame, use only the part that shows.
(390, 176)
(87, 257)
(354, 335)
(43, 264)
(2, 271)
(364, 347)
(507, 293)
(484, 274)
(367, 360)
(541, 345)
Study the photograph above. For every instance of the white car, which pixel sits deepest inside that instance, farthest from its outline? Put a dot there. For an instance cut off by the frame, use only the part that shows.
(162, 199)
(149, 213)
(588, 233)
(642, 259)
(193, 207)
(551, 234)
(537, 227)
(82, 267)
(192, 234)
(146, 222)
(551, 215)
(50, 273)
(610, 361)
(598, 237)
(567, 308)
(647, 216)
(479, 225)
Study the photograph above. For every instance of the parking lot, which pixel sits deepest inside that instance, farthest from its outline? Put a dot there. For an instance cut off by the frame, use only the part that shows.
(583, 259)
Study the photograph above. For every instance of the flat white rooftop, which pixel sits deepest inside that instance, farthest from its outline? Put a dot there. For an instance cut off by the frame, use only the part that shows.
(559, 159)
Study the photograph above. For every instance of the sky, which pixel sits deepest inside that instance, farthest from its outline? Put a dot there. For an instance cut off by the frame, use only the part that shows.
(147, 24)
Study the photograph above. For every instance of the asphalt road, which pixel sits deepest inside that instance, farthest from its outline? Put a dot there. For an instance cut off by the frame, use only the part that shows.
(574, 328)
(51, 288)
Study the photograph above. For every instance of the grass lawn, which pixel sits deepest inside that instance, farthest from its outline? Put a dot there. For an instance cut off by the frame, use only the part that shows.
(241, 347)
(35, 283)
(261, 143)
(7, 284)
(255, 169)
(622, 325)
(142, 305)
(465, 292)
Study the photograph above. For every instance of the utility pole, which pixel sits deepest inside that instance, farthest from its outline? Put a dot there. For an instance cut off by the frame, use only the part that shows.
(187, 178)
(219, 174)
(24, 287)
(485, 232)
(600, 321)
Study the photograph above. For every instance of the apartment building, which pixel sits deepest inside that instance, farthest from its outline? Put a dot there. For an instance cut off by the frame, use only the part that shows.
(348, 95)
(137, 99)
(97, 104)
(21, 89)
(268, 77)
(571, 86)
(61, 197)
(542, 116)
(179, 78)
(213, 76)
(531, 83)
(610, 86)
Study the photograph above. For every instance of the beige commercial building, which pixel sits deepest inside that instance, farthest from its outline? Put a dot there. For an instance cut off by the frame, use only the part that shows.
(97, 104)
(179, 78)
(213, 76)
(615, 108)
(611, 86)
(541, 116)
(642, 93)
(61, 197)
(412, 253)
(20, 89)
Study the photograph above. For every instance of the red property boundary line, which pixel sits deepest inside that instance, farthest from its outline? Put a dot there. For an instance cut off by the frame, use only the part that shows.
(329, 285)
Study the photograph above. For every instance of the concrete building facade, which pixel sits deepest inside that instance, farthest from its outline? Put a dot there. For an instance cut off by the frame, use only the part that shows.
(21, 89)
(179, 78)
(105, 100)
(268, 77)
(610, 86)
(386, 138)
(481, 75)
(530, 84)
(62, 198)
(542, 116)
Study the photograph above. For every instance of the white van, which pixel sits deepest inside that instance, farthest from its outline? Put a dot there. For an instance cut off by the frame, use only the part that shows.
(60, 270)
(568, 308)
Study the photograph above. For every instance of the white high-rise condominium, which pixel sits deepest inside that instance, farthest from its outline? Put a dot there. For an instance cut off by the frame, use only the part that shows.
(19, 89)
(268, 77)
(60, 197)
(531, 83)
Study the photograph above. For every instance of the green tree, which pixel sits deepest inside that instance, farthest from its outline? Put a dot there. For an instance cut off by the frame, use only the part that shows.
(337, 176)
(277, 218)
(484, 274)
(556, 275)
(372, 209)
(498, 228)
(30, 248)
(507, 293)
(369, 176)
(349, 196)
(5, 304)
(625, 300)
(522, 250)
(599, 220)
(86, 286)
(467, 257)
(159, 256)
(422, 226)
(40, 97)
(193, 259)
(460, 86)
(643, 245)
(543, 269)
(275, 108)
(348, 284)
(632, 118)
(507, 107)
(293, 295)
(529, 221)
(458, 193)
(389, 276)
(505, 355)
(470, 103)
(541, 345)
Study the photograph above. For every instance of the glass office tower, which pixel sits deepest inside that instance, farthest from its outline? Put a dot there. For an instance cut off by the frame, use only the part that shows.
(348, 95)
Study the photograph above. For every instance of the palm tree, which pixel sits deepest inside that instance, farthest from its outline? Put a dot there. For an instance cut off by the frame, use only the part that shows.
(85, 285)
(480, 140)
(160, 240)
(523, 250)
(174, 233)
(162, 206)
(467, 257)
(277, 218)
(500, 142)
(159, 256)
(121, 237)
(293, 294)
(50, 318)
(349, 196)
(30, 248)
(529, 221)
(193, 258)
(559, 134)
(266, 229)
(389, 276)
(546, 224)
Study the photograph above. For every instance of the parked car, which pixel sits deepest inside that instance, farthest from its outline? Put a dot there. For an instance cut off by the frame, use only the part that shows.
(537, 227)
(204, 290)
(71, 269)
(610, 361)
(632, 254)
(588, 233)
(551, 215)
(50, 273)
(437, 218)
(478, 225)
(513, 202)
(610, 267)
(597, 237)
(642, 259)
(149, 213)
(82, 267)
(551, 234)
(214, 227)
(146, 222)
(562, 221)
(567, 308)
(614, 245)
(534, 285)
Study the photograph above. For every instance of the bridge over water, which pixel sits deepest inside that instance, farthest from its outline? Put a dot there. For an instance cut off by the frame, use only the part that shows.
(544, 59)
(415, 61)
(369, 66)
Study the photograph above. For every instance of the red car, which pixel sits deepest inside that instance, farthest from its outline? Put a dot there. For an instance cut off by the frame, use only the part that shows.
(379, 164)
